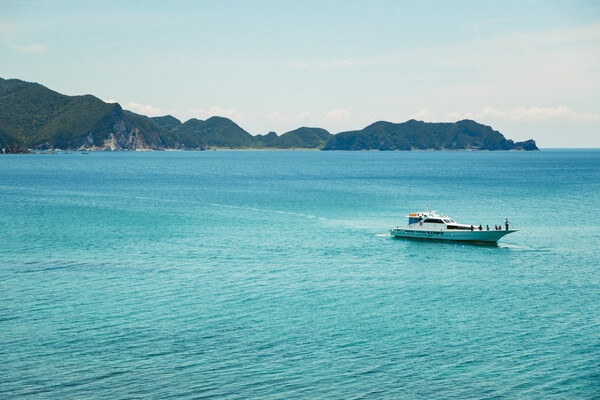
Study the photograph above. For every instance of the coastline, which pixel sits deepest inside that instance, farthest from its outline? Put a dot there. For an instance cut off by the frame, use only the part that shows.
(62, 151)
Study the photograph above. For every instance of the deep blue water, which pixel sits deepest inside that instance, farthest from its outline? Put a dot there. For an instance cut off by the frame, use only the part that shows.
(269, 274)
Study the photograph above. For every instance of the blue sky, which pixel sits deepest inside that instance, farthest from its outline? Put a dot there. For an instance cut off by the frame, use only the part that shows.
(530, 69)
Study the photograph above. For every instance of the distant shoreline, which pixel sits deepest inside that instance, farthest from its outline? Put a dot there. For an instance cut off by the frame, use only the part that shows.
(61, 151)
(43, 119)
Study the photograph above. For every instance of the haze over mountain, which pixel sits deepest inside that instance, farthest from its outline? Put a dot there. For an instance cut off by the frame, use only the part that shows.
(35, 117)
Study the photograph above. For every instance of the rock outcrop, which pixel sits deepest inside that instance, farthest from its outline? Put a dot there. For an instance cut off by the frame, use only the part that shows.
(15, 148)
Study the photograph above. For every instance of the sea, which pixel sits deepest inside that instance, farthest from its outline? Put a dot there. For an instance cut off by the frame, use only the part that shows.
(272, 275)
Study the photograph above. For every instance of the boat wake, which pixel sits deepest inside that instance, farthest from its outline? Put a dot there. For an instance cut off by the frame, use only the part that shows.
(262, 210)
(516, 247)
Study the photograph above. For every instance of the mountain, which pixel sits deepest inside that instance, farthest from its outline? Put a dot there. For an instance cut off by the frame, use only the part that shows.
(419, 135)
(35, 117)
(265, 140)
(168, 122)
(40, 118)
(301, 138)
(214, 132)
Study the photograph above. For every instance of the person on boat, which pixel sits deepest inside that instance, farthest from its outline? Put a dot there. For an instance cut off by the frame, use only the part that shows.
(506, 222)
(480, 228)
(487, 227)
(471, 227)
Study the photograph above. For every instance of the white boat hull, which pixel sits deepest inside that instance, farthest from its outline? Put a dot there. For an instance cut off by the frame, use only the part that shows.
(451, 234)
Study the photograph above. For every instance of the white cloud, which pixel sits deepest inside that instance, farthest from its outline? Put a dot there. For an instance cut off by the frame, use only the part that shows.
(568, 35)
(518, 44)
(536, 114)
(144, 109)
(214, 111)
(147, 110)
(531, 114)
(338, 115)
(304, 115)
(29, 49)
(217, 111)
(276, 116)
(424, 115)
(8, 33)
(552, 66)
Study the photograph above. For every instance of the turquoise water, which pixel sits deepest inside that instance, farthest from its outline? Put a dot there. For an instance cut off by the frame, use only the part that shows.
(269, 275)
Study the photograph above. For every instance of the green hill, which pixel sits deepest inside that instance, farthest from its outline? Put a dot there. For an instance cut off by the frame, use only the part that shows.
(265, 141)
(419, 135)
(168, 122)
(301, 138)
(35, 117)
(214, 132)
(40, 118)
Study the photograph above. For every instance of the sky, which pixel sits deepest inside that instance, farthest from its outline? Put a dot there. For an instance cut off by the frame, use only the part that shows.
(529, 69)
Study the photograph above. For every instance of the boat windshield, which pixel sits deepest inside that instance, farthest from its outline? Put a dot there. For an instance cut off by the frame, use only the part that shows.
(448, 220)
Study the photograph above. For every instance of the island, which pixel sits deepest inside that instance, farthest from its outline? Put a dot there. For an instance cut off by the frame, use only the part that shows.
(33, 117)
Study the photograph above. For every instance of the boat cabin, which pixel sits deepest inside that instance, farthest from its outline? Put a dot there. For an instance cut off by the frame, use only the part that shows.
(429, 217)
(431, 220)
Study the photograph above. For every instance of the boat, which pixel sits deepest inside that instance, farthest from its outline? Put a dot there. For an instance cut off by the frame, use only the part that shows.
(430, 225)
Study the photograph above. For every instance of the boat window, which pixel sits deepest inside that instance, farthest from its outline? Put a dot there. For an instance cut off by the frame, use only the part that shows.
(434, 221)
(413, 220)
